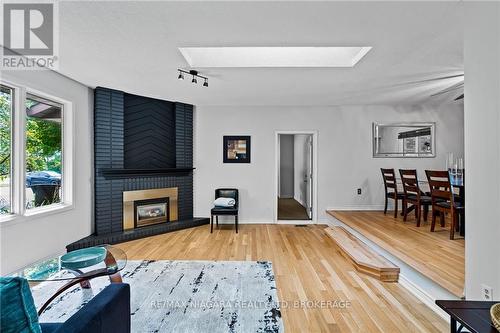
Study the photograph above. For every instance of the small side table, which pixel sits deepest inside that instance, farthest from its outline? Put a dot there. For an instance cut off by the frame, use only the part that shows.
(473, 315)
(52, 270)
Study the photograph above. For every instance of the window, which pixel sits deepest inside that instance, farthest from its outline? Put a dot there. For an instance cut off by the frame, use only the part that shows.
(36, 147)
(6, 99)
(43, 152)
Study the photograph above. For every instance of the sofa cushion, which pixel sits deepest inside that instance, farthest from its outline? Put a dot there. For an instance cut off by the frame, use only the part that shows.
(18, 313)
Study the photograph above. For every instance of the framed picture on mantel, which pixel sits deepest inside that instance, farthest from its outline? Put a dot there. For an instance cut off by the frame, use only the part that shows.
(236, 149)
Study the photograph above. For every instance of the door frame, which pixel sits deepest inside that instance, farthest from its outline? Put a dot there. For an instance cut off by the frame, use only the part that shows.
(314, 134)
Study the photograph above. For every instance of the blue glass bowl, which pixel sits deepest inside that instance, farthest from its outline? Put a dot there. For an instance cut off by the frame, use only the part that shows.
(83, 258)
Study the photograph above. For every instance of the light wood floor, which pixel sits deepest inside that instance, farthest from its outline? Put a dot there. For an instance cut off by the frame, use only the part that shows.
(308, 267)
(431, 253)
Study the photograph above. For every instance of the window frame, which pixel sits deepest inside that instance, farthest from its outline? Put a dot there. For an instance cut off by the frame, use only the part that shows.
(19, 212)
(11, 164)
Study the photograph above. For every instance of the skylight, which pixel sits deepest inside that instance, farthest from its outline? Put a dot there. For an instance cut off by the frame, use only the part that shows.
(273, 56)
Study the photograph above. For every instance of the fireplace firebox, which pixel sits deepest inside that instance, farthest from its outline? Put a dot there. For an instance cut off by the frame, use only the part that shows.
(152, 211)
(147, 207)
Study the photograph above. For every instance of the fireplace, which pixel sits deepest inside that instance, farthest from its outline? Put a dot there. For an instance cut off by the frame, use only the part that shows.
(147, 207)
(151, 211)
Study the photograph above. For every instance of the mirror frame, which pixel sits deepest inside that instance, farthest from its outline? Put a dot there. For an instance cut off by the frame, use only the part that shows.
(377, 154)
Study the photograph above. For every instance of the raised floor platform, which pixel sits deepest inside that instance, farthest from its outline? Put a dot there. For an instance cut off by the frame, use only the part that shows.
(364, 259)
(125, 236)
(432, 254)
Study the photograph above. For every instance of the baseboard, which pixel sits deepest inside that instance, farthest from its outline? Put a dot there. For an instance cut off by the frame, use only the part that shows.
(296, 198)
(243, 222)
(356, 207)
(286, 197)
(270, 222)
(296, 222)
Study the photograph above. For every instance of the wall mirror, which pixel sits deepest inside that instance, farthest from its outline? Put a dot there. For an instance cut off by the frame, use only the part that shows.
(404, 140)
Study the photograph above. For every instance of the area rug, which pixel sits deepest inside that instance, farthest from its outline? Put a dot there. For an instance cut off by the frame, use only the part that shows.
(184, 296)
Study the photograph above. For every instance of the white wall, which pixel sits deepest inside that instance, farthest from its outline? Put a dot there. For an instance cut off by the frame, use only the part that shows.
(286, 163)
(26, 240)
(345, 160)
(482, 147)
(300, 167)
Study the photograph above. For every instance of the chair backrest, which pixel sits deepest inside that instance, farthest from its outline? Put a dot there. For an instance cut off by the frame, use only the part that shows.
(440, 185)
(410, 182)
(389, 177)
(227, 193)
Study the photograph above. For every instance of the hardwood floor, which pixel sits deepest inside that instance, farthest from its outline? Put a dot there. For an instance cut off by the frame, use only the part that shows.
(431, 253)
(308, 266)
(363, 258)
(291, 209)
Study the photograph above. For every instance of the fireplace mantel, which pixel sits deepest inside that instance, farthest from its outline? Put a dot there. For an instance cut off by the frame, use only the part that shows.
(132, 173)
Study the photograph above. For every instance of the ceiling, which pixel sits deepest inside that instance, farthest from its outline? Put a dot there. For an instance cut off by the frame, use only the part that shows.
(133, 46)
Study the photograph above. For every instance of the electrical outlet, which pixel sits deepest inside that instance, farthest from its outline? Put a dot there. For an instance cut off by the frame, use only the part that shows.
(486, 292)
(359, 191)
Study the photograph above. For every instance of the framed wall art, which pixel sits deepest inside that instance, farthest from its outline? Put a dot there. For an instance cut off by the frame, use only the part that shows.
(236, 149)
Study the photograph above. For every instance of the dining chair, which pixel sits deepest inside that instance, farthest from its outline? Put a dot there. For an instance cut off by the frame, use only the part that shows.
(414, 196)
(391, 190)
(443, 200)
(231, 211)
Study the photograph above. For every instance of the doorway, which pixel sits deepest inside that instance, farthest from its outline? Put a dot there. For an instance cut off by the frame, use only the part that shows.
(295, 172)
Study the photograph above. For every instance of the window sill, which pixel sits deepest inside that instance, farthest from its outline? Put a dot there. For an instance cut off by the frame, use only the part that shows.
(34, 214)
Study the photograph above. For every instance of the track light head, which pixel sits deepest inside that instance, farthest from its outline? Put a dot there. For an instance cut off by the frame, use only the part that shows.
(194, 74)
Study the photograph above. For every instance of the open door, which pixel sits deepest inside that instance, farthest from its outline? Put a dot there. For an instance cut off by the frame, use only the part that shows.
(308, 176)
(295, 177)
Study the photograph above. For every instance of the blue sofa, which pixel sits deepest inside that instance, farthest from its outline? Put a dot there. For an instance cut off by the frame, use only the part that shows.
(108, 311)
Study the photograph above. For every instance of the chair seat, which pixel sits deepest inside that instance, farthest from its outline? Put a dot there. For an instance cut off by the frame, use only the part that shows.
(399, 195)
(423, 199)
(446, 204)
(224, 211)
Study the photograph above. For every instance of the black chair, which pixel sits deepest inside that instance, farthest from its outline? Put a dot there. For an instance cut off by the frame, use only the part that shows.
(231, 211)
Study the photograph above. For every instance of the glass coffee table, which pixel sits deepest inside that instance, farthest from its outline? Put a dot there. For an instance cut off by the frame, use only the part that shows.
(77, 267)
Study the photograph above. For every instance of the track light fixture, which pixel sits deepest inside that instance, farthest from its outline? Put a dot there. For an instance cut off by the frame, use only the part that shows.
(194, 74)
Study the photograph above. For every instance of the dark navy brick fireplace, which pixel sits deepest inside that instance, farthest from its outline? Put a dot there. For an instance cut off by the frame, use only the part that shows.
(140, 143)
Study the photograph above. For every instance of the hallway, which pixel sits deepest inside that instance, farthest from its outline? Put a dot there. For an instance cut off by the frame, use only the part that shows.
(291, 209)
